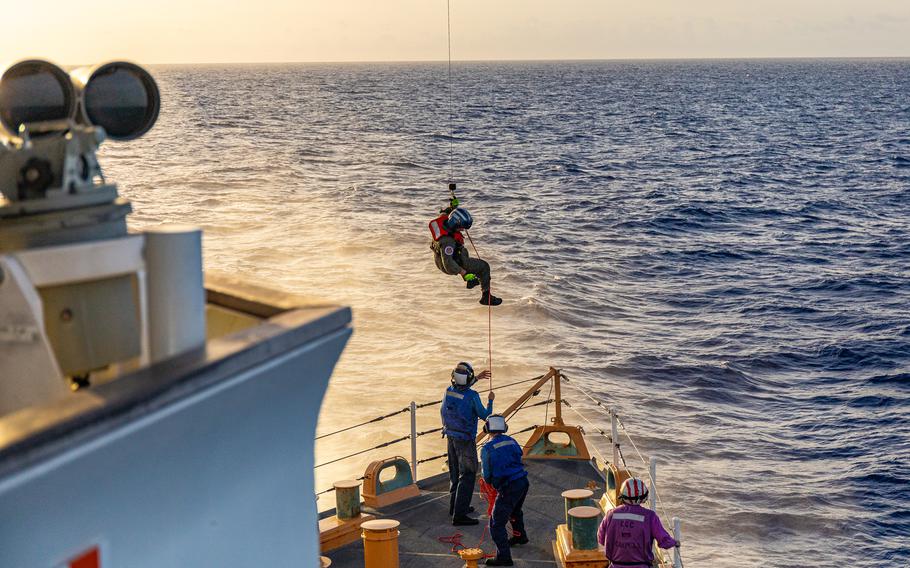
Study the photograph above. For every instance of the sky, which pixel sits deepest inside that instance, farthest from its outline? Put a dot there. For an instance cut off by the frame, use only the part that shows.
(224, 31)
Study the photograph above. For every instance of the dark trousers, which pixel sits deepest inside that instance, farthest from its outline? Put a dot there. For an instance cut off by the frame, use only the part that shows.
(481, 269)
(462, 474)
(508, 507)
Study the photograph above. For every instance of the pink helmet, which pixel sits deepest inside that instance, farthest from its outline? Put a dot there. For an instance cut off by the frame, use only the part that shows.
(633, 490)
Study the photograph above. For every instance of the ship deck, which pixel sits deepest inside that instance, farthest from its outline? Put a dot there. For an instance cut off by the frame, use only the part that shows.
(424, 519)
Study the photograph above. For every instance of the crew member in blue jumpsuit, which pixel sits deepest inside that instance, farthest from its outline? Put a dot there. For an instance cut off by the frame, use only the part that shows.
(461, 409)
(503, 469)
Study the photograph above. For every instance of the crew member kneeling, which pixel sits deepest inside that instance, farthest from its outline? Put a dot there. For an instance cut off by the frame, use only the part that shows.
(502, 468)
(628, 530)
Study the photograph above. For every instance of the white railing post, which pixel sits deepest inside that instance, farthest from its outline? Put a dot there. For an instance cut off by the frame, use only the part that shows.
(414, 440)
(614, 434)
(653, 490)
(677, 560)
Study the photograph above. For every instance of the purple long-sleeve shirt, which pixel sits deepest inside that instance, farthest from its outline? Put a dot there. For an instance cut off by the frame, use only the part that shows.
(627, 532)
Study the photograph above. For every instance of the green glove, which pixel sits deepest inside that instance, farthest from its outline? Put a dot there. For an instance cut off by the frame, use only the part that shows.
(454, 202)
(469, 277)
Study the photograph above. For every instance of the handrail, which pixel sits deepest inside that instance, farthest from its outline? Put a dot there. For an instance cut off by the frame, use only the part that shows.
(417, 405)
(515, 407)
(650, 466)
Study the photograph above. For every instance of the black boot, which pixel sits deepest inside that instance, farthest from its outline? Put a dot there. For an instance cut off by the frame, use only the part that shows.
(518, 540)
(488, 299)
(472, 283)
(464, 521)
(498, 562)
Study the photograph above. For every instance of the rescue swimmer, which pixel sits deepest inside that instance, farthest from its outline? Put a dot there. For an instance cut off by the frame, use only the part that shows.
(461, 409)
(627, 531)
(504, 470)
(452, 256)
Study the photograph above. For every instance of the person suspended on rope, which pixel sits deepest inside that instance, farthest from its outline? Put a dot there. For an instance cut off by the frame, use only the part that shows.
(461, 409)
(452, 256)
(500, 458)
(627, 531)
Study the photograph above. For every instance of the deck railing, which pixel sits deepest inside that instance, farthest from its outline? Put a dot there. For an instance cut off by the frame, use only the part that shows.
(555, 375)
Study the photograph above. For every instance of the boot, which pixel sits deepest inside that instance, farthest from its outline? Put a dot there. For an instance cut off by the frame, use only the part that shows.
(464, 521)
(499, 562)
(518, 540)
(488, 299)
(472, 283)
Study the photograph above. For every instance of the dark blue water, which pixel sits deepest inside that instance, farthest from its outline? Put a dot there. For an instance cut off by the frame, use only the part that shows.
(720, 249)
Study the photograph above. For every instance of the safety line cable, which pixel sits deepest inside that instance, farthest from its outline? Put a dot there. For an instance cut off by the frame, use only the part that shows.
(451, 97)
(382, 445)
(546, 413)
(371, 421)
(489, 313)
(330, 489)
(498, 387)
(647, 466)
(418, 406)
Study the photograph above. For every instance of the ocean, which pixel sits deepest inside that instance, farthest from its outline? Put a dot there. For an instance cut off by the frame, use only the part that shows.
(717, 249)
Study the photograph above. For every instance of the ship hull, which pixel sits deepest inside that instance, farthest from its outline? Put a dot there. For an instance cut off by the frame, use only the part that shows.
(204, 462)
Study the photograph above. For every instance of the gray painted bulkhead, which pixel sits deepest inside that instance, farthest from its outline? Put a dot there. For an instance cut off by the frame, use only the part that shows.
(203, 461)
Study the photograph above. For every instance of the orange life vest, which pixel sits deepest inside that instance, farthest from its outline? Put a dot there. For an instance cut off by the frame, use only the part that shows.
(438, 229)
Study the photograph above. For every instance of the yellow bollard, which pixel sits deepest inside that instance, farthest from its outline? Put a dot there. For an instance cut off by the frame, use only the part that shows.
(347, 499)
(380, 543)
(471, 556)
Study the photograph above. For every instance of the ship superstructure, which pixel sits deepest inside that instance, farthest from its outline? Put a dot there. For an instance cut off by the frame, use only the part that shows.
(150, 415)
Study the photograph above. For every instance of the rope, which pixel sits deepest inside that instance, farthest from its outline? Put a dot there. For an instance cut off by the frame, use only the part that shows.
(546, 413)
(377, 419)
(451, 97)
(541, 403)
(647, 465)
(489, 314)
(535, 379)
(330, 489)
(425, 460)
(383, 445)
(583, 392)
(433, 431)
(598, 430)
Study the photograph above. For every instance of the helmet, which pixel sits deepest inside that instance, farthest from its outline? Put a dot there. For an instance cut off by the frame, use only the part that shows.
(459, 219)
(496, 424)
(463, 375)
(633, 490)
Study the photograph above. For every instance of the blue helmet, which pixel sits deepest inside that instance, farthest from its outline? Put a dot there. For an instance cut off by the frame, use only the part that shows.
(459, 220)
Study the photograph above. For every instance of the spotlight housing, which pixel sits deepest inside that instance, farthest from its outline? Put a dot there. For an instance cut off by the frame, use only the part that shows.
(33, 91)
(119, 96)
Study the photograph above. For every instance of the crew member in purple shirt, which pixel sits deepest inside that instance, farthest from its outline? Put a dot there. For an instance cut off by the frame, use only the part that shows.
(628, 531)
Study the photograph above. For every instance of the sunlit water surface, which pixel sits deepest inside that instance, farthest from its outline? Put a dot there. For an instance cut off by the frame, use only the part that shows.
(718, 249)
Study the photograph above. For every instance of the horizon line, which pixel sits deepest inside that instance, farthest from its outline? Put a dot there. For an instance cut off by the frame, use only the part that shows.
(541, 60)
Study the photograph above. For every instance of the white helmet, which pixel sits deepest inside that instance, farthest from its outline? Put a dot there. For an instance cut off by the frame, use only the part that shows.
(463, 375)
(496, 424)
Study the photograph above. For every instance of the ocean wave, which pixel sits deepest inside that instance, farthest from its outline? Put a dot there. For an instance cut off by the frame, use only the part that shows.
(722, 259)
